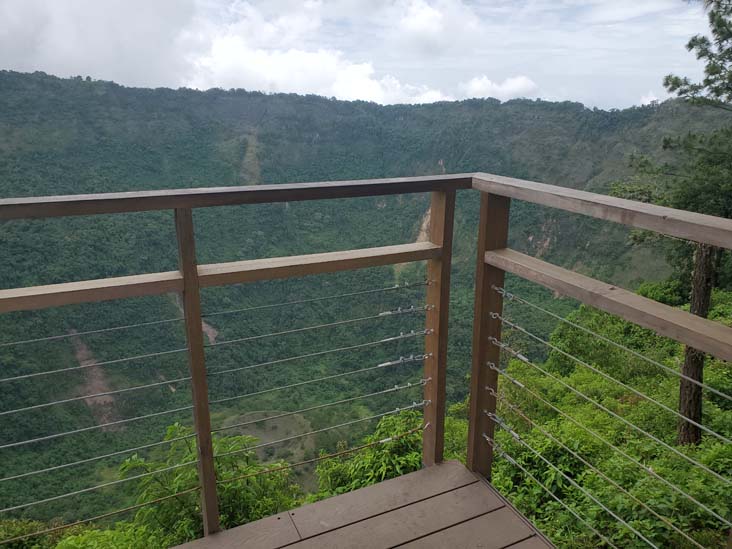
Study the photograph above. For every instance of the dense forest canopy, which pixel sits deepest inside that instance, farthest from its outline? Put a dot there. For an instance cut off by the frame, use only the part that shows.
(64, 136)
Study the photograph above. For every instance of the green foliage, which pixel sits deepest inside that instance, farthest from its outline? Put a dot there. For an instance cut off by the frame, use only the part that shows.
(122, 536)
(72, 136)
(669, 292)
(376, 463)
(241, 500)
(650, 380)
(10, 529)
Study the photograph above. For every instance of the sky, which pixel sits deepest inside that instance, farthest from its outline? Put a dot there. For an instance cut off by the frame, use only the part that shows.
(603, 53)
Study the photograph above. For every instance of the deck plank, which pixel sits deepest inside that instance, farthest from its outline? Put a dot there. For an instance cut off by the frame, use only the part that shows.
(494, 530)
(345, 509)
(410, 522)
(536, 542)
(440, 506)
(267, 533)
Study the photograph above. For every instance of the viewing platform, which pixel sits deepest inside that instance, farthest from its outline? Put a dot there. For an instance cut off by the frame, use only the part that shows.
(444, 504)
(441, 506)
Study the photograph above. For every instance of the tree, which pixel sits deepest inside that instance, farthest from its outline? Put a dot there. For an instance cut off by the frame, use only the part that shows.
(700, 179)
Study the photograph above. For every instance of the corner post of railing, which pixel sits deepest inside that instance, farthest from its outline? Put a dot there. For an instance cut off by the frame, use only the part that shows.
(442, 215)
(197, 364)
(492, 235)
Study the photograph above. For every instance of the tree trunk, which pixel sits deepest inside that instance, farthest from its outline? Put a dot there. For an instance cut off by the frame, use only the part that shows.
(690, 394)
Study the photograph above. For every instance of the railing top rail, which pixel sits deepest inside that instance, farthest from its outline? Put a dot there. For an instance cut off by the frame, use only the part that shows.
(139, 201)
(669, 221)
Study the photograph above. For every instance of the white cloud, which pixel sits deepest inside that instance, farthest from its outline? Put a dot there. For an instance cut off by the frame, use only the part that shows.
(251, 52)
(598, 52)
(423, 24)
(130, 41)
(232, 63)
(511, 88)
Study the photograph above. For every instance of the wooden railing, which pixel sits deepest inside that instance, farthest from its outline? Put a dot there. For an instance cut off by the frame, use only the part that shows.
(494, 260)
(191, 277)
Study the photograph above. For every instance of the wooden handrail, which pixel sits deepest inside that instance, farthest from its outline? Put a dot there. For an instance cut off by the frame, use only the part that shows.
(494, 260)
(217, 274)
(141, 201)
(706, 335)
(679, 223)
(191, 277)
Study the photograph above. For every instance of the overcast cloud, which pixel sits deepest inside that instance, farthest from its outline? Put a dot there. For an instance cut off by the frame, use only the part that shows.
(610, 53)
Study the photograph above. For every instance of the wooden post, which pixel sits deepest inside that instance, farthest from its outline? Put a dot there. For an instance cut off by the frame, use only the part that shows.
(197, 365)
(442, 214)
(492, 235)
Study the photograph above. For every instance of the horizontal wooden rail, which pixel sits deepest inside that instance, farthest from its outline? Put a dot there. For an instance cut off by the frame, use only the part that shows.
(55, 295)
(140, 201)
(302, 265)
(682, 224)
(700, 333)
(86, 291)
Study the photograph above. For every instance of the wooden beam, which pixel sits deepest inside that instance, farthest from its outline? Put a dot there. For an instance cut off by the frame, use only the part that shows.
(197, 364)
(682, 224)
(492, 234)
(219, 274)
(301, 265)
(700, 333)
(140, 201)
(442, 216)
(86, 291)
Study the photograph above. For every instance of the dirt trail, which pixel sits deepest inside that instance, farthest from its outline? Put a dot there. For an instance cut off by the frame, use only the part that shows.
(209, 331)
(424, 229)
(249, 171)
(422, 236)
(102, 408)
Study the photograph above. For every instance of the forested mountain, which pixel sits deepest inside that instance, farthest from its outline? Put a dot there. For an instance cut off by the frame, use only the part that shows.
(68, 136)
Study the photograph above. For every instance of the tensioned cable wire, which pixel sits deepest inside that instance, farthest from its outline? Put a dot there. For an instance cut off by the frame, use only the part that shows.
(216, 313)
(497, 448)
(412, 406)
(321, 353)
(90, 332)
(94, 427)
(187, 378)
(326, 456)
(401, 360)
(324, 298)
(99, 517)
(515, 409)
(513, 297)
(498, 421)
(185, 408)
(611, 378)
(97, 458)
(627, 456)
(94, 364)
(384, 314)
(394, 389)
(181, 409)
(96, 395)
(98, 486)
(615, 415)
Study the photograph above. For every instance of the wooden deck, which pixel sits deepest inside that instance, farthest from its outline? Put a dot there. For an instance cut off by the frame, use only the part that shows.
(440, 506)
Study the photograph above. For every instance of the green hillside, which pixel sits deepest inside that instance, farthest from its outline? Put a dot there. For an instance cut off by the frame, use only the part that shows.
(65, 136)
